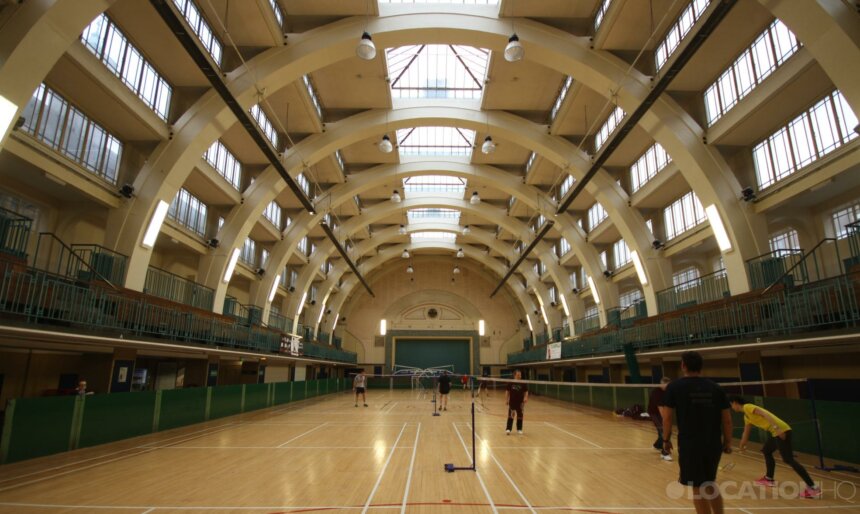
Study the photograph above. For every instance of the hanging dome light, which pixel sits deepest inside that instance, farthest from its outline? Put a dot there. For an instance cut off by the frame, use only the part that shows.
(385, 145)
(466, 230)
(460, 253)
(513, 52)
(405, 254)
(402, 230)
(456, 270)
(475, 200)
(489, 146)
(395, 196)
(367, 50)
(410, 269)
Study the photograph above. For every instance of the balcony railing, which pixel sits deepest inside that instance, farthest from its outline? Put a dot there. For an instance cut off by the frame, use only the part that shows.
(586, 324)
(766, 269)
(14, 233)
(164, 284)
(706, 288)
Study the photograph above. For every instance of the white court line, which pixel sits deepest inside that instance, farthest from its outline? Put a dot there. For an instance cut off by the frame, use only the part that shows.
(78, 462)
(145, 450)
(571, 448)
(276, 447)
(382, 473)
(147, 511)
(302, 435)
(744, 511)
(411, 467)
(477, 473)
(572, 434)
(511, 480)
(391, 408)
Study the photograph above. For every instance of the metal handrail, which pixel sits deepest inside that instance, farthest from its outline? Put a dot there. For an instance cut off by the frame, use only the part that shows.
(796, 264)
(75, 255)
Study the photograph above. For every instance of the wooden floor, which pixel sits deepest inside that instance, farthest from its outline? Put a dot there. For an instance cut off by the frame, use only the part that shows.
(325, 455)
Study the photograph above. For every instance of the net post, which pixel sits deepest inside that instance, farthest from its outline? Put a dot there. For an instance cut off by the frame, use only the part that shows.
(811, 389)
(474, 459)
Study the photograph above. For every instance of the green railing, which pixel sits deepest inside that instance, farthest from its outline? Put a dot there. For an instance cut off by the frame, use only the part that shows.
(586, 324)
(279, 322)
(34, 427)
(541, 339)
(82, 263)
(337, 342)
(164, 284)
(328, 352)
(14, 233)
(827, 304)
(766, 269)
(821, 262)
(565, 331)
(323, 338)
(704, 289)
(557, 334)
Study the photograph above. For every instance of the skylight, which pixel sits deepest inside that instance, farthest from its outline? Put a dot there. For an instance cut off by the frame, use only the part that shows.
(448, 237)
(432, 214)
(435, 141)
(458, 2)
(434, 184)
(437, 71)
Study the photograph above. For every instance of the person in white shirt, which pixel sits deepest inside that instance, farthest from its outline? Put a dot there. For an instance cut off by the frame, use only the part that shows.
(359, 386)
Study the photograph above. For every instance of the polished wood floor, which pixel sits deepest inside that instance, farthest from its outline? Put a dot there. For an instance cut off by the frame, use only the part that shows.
(325, 455)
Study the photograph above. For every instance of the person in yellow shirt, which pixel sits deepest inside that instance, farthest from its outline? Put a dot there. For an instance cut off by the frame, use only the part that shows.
(779, 439)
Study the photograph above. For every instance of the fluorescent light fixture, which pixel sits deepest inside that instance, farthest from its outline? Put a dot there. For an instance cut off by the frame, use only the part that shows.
(719, 229)
(301, 305)
(228, 273)
(481, 327)
(322, 313)
(7, 113)
(155, 224)
(543, 313)
(593, 291)
(336, 319)
(274, 288)
(383, 327)
(640, 270)
(529, 321)
(564, 306)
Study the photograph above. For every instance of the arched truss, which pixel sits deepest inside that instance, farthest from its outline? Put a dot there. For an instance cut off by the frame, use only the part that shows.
(329, 285)
(476, 174)
(394, 252)
(38, 32)
(703, 167)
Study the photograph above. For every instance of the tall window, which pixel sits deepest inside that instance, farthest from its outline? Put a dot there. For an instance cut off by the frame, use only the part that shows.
(629, 298)
(769, 50)
(200, 27)
(304, 183)
(824, 127)
(273, 213)
(303, 246)
(225, 163)
(315, 97)
(562, 94)
(249, 252)
(530, 162)
(620, 253)
(187, 210)
(591, 311)
(338, 157)
(785, 242)
(434, 184)
(574, 283)
(685, 279)
(601, 12)
(604, 259)
(110, 45)
(843, 217)
(563, 247)
(608, 127)
(596, 214)
(265, 124)
(53, 120)
(646, 167)
(278, 12)
(683, 214)
(565, 186)
(679, 30)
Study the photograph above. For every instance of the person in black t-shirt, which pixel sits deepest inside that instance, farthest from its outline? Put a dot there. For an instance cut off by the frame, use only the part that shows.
(444, 389)
(655, 411)
(516, 396)
(704, 431)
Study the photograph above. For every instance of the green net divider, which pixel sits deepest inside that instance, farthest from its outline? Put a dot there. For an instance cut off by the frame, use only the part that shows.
(838, 422)
(603, 398)
(38, 426)
(111, 417)
(180, 407)
(312, 388)
(256, 396)
(626, 397)
(582, 395)
(226, 401)
(299, 391)
(283, 392)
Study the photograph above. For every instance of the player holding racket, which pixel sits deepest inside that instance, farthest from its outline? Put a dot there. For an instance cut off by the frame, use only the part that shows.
(516, 396)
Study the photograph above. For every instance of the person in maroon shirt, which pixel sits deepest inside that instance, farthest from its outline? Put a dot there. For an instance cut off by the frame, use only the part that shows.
(655, 411)
(516, 396)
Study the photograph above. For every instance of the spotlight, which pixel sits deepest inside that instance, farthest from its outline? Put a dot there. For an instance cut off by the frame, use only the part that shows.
(748, 194)
(552, 304)
(291, 289)
(475, 200)
(213, 243)
(385, 145)
(313, 302)
(575, 290)
(466, 230)
(395, 197)
(402, 230)
(19, 122)
(607, 273)
(460, 253)
(489, 146)
(456, 270)
(367, 50)
(657, 244)
(514, 51)
(260, 272)
(405, 254)
(410, 269)
(127, 190)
